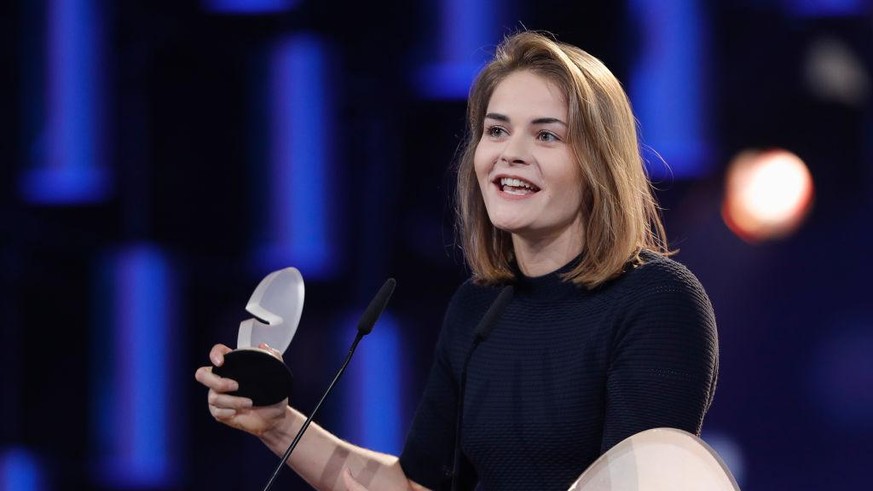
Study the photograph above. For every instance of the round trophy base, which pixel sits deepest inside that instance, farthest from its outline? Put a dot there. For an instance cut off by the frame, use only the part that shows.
(262, 377)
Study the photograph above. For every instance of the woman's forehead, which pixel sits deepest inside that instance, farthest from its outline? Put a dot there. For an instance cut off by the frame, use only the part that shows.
(526, 94)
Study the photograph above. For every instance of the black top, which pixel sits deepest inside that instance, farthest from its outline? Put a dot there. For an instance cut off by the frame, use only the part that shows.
(566, 374)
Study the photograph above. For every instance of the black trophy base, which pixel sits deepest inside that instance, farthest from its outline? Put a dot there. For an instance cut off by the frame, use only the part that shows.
(262, 377)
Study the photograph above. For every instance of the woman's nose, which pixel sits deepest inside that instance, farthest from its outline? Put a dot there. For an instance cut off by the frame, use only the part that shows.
(515, 151)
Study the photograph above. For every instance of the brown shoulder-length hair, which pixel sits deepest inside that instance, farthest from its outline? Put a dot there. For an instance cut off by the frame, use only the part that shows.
(619, 213)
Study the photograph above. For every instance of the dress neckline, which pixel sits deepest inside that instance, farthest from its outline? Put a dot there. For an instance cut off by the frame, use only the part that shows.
(549, 285)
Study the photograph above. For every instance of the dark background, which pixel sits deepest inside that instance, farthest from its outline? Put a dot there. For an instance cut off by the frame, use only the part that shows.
(183, 138)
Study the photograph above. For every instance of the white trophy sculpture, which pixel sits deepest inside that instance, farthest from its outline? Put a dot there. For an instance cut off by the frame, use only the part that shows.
(277, 304)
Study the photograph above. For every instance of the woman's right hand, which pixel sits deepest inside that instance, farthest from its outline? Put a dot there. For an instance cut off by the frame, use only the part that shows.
(237, 412)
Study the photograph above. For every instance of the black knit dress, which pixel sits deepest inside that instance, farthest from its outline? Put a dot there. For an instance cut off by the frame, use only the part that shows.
(566, 374)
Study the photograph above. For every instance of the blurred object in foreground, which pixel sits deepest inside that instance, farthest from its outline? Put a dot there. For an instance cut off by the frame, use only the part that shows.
(767, 194)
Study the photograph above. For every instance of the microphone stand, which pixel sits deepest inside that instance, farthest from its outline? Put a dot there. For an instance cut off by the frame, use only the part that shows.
(312, 414)
(365, 326)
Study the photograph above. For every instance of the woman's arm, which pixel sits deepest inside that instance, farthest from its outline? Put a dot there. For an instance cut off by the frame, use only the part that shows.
(664, 361)
(321, 458)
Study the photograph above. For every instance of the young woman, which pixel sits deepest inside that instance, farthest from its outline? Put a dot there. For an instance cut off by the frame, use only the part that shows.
(605, 335)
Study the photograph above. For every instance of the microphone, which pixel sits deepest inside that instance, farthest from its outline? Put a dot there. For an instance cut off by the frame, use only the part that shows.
(483, 330)
(377, 305)
(365, 325)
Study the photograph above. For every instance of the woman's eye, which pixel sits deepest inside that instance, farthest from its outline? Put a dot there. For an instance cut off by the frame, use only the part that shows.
(548, 136)
(495, 131)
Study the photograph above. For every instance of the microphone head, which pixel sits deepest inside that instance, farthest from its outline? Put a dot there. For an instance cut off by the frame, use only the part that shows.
(489, 320)
(377, 305)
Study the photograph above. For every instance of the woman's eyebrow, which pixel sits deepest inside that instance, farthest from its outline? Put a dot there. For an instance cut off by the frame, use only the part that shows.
(498, 117)
(548, 121)
(505, 119)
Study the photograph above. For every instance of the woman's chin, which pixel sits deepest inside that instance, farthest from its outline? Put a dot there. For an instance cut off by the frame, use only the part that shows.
(510, 227)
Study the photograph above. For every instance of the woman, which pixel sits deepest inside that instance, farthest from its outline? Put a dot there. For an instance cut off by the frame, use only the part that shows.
(605, 336)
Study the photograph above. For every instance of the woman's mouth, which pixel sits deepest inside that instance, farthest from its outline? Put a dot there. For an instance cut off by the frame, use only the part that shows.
(515, 186)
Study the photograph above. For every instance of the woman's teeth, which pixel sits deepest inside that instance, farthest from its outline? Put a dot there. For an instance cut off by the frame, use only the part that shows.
(512, 185)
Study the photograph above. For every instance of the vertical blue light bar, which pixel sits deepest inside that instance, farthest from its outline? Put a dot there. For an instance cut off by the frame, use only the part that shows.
(253, 7)
(667, 86)
(20, 471)
(464, 28)
(468, 31)
(135, 400)
(827, 8)
(68, 167)
(301, 228)
(374, 395)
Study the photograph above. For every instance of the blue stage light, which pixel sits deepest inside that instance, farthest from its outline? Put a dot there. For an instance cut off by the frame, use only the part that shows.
(302, 200)
(20, 471)
(829, 8)
(251, 7)
(135, 408)
(446, 81)
(468, 35)
(667, 87)
(69, 167)
(65, 186)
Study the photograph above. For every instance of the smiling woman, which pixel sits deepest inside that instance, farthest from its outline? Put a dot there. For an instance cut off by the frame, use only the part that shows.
(527, 173)
(605, 336)
(573, 113)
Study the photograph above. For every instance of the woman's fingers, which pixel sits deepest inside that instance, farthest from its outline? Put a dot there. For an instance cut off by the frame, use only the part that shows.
(216, 354)
(205, 376)
(228, 401)
(271, 350)
(221, 413)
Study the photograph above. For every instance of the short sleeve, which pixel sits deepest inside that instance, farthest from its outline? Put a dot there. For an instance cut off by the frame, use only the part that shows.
(664, 359)
(427, 454)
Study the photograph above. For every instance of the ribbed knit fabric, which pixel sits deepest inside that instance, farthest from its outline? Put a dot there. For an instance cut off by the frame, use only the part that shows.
(566, 374)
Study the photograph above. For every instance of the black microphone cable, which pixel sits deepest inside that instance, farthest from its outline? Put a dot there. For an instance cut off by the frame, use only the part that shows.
(486, 325)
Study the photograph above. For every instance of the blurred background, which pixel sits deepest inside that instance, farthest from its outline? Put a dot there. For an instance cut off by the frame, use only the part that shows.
(159, 158)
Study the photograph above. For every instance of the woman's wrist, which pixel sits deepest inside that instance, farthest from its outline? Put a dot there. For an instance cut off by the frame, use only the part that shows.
(280, 435)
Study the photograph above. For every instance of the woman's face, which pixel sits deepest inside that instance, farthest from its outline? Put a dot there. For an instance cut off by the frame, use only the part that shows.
(527, 175)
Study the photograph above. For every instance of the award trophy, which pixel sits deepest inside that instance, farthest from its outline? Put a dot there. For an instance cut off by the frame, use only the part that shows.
(277, 304)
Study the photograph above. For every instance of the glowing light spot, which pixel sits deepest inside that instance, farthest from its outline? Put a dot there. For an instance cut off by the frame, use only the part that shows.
(833, 71)
(768, 194)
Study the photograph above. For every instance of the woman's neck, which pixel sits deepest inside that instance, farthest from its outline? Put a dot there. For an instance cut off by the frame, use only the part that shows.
(542, 256)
